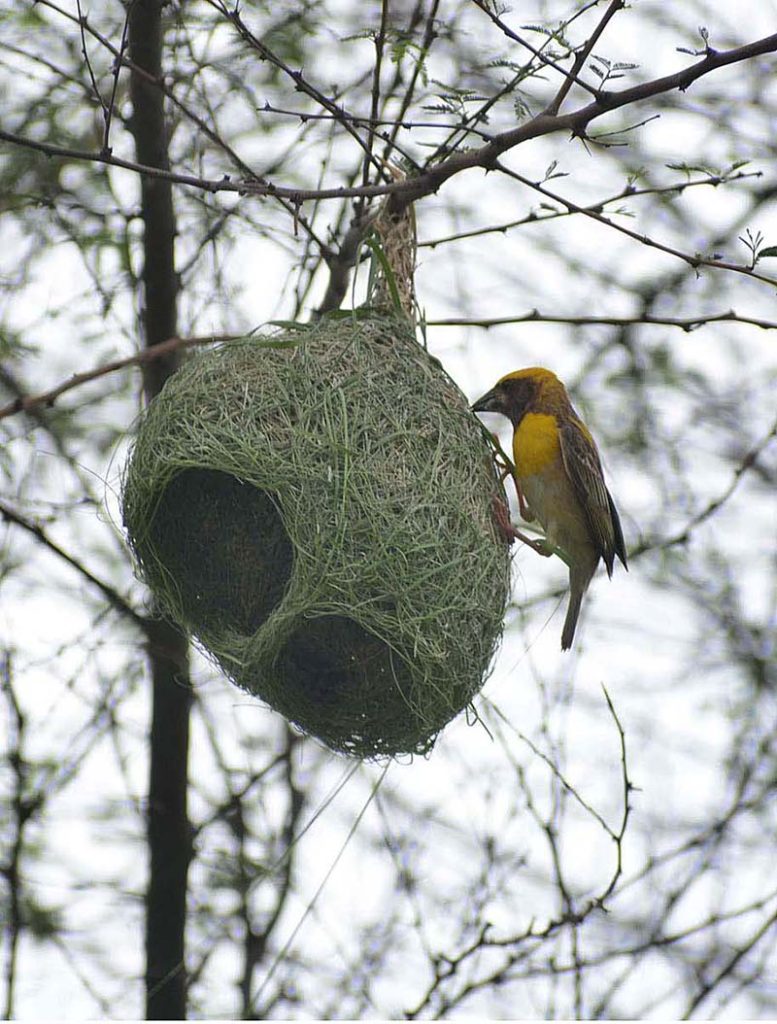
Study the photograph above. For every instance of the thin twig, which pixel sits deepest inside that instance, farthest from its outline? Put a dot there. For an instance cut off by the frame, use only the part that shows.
(412, 189)
(570, 76)
(684, 535)
(296, 76)
(145, 355)
(19, 810)
(113, 596)
(374, 122)
(429, 36)
(82, 22)
(687, 324)
(694, 261)
(582, 56)
(117, 64)
(628, 788)
(482, 111)
(122, 60)
(287, 945)
(627, 192)
(730, 965)
(380, 42)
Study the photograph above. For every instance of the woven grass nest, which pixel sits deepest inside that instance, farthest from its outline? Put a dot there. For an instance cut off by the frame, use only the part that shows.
(315, 508)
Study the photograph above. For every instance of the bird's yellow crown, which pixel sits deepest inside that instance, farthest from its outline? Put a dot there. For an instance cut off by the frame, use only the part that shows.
(538, 373)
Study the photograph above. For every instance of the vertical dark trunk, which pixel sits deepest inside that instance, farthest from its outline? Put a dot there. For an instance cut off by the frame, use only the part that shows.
(169, 837)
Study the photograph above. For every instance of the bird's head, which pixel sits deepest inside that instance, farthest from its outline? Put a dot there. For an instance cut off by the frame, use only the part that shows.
(513, 395)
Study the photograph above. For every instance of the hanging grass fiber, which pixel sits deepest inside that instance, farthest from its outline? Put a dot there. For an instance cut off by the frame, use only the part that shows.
(315, 507)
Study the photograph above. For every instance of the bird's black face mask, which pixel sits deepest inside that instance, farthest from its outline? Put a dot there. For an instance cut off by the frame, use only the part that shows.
(508, 397)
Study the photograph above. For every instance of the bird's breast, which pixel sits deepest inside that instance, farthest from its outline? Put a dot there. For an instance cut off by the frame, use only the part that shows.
(535, 443)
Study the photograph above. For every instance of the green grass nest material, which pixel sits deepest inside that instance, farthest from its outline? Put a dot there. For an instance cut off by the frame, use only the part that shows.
(315, 507)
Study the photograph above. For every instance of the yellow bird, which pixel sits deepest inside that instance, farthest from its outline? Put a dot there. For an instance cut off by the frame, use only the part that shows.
(558, 475)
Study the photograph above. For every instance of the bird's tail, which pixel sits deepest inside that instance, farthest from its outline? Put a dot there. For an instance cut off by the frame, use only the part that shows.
(579, 578)
(568, 632)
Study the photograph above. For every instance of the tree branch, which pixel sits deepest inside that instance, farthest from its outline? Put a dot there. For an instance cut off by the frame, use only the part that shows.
(582, 56)
(570, 77)
(686, 324)
(168, 828)
(158, 82)
(694, 261)
(113, 597)
(627, 192)
(162, 350)
(433, 178)
(684, 535)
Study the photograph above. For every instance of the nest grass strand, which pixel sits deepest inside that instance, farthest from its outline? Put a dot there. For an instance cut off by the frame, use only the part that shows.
(315, 507)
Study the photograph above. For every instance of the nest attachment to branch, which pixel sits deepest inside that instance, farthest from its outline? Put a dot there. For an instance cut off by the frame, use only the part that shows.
(316, 508)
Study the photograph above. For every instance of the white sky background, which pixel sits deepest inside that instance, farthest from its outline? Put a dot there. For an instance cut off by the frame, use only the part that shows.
(675, 719)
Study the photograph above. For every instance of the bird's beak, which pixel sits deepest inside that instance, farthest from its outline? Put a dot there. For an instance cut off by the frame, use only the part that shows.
(487, 403)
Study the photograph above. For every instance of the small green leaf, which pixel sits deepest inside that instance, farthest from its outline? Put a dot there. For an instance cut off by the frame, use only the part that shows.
(770, 250)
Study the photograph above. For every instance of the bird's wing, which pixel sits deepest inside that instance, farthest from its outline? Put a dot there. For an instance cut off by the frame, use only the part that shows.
(584, 469)
(620, 543)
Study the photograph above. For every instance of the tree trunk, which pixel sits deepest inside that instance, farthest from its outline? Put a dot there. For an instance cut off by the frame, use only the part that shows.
(169, 837)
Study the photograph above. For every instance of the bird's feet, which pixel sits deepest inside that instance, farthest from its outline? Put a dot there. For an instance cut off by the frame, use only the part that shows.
(509, 532)
(506, 468)
(502, 519)
(526, 513)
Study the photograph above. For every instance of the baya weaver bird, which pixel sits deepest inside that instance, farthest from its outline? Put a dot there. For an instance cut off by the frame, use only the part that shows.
(559, 480)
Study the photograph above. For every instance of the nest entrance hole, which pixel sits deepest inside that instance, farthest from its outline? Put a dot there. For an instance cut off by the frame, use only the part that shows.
(331, 658)
(346, 678)
(225, 545)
